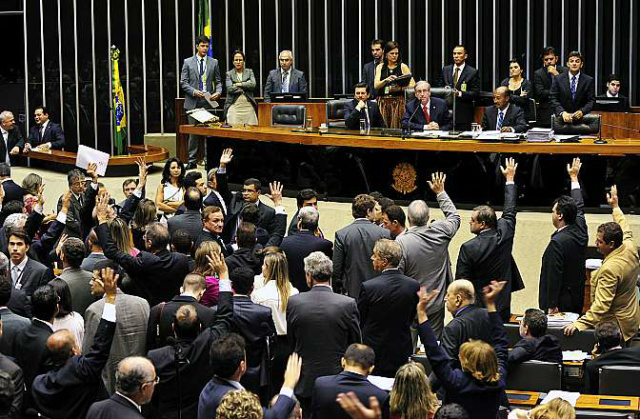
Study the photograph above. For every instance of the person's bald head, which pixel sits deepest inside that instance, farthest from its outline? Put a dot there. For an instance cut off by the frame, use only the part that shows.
(501, 97)
(136, 379)
(62, 345)
(186, 324)
(460, 293)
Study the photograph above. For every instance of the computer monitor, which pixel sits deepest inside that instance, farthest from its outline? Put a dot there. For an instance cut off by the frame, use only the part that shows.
(288, 97)
(611, 104)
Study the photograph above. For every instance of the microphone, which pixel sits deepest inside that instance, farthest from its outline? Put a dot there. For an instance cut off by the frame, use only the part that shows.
(408, 131)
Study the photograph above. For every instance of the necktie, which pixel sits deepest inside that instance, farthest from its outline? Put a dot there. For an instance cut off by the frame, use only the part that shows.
(15, 274)
(427, 117)
(456, 74)
(81, 200)
(500, 120)
(285, 84)
(573, 87)
(366, 116)
(41, 133)
(201, 73)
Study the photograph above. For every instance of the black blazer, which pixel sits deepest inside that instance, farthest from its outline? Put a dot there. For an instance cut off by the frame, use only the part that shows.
(297, 247)
(514, 118)
(222, 180)
(545, 348)
(542, 85)
(560, 95)
(206, 236)
(521, 102)
(470, 323)
(275, 225)
(34, 275)
(14, 139)
(12, 191)
(17, 377)
(387, 306)
(369, 77)
(53, 134)
(245, 257)
(622, 357)
(321, 325)
(438, 112)
(563, 272)
(79, 217)
(18, 304)
(464, 103)
(190, 220)
(31, 353)
(327, 388)
(115, 407)
(488, 256)
(12, 326)
(69, 390)
(352, 116)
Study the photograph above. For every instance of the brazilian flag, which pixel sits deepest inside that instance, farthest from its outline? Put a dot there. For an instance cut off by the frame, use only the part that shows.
(119, 115)
(204, 22)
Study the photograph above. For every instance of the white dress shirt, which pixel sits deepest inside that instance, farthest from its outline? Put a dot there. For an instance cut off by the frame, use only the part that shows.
(268, 296)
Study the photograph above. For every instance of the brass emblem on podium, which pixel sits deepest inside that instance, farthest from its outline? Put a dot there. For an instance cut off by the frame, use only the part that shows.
(404, 178)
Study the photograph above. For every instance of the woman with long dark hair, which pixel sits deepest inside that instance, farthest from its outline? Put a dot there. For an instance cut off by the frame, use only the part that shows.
(170, 193)
(390, 90)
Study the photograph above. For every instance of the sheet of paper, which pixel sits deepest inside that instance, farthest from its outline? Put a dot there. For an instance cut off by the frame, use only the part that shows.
(593, 264)
(201, 115)
(383, 383)
(574, 355)
(568, 396)
(207, 96)
(88, 155)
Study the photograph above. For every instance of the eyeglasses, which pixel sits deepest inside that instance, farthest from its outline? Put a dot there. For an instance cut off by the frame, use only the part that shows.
(154, 381)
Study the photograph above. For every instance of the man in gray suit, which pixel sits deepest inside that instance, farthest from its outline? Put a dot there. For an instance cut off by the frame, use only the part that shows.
(353, 247)
(78, 279)
(200, 76)
(12, 324)
(425, 248)
(132, 317)
(286, 79)
(191, 219)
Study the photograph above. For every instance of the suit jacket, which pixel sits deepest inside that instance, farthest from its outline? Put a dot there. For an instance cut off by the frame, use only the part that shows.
(353, 247)
(297, 83)
(12, 326)
(542, 88)
(369, 77)
(222, 180)
(613, 286)
(255, 324)
(464, 104)
(19, 304)
(33, 275)
(321, 325)
(14, 139)
(387, 307)
(562, 274)
(190, 220)
(79, 282)
(190, 79)
(425, 251)
(69, 390)
(488, 256)
(470, 322)
(162, 316)
(438, 112)
(79, 218)
(233, 92)
(17, 377)
(619, 357)
(352, 116)
(560, 95)
(195, 374)
(545, 348)
(513, 118)
(115, 407)
(327, 388)
(274, 224)
(90, 261)
(206, 236)
(31, 353)
(132, 316)
(297, 247)
(12, 191)
(52, 134)
(156, 276)
(245, 257)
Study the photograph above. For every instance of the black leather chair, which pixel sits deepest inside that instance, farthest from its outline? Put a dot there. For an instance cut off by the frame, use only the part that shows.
(422, 359)
(588, 125)
(288, 115)
(335, 113)
(583, 341)
(535, 376)
(619, 380)
(532, 112)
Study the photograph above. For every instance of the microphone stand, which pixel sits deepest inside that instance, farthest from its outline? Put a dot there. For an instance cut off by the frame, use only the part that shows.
(408, 133)
(454, 132)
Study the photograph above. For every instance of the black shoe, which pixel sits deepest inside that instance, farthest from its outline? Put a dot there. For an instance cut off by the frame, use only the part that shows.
(191, 166)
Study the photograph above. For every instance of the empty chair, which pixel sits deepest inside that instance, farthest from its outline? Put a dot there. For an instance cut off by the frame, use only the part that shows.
(535, 376)
(288, 115)
(335, 113)
(588, 125)
(619, 380)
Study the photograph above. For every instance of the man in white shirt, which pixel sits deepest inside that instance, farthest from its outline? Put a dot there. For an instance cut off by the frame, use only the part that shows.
(12, 142)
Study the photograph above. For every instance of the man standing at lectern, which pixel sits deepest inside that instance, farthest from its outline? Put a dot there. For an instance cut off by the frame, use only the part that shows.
(200, 76)
(45, 135)
(286, 79)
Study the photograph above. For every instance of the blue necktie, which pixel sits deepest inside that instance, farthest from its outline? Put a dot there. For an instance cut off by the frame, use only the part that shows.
(500, 120)
(201, 73)
(573, 88)
(285, 85)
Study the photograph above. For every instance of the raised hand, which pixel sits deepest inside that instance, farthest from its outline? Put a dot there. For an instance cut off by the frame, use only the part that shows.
(351, 404)
(142, 171)
(92, 170)
(40, 196)
(612, 197)
(491, 293)
(226, 157)
(63, 239)
(276, 192)
(424, 298)
(102, 208)
(292, 373)
(437, 182)
(66, 201)
(509, 171)
(110, 281)
(574, 168)
(218, 265)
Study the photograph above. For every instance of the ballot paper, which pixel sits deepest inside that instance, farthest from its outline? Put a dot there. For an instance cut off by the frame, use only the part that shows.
(88, 155)
(383, 383)
(575, 356)
(207, 96)
(571, 397)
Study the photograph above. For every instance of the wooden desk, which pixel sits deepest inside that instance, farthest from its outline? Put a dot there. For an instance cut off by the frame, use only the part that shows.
(585, 401)
(316, 110)
(523, 398)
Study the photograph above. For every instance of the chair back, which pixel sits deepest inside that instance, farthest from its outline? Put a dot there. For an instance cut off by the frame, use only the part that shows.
(288, 115)
(535, 376)
(588, 125)
(335, 113)
(619, 380)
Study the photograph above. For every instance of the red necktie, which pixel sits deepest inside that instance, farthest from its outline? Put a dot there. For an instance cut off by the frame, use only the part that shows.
(426, 114)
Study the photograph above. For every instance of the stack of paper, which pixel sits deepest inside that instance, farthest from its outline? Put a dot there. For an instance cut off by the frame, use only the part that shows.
(539, 135)
(561, 319)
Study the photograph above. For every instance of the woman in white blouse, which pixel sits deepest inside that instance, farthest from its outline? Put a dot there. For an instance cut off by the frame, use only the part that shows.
(275, 294)
(66, 317)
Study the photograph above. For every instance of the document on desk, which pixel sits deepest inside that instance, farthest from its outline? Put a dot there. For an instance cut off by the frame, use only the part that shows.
(569, 396)
(430, 134)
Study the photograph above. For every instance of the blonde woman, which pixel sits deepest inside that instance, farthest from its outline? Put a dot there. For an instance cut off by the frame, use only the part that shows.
(204, 253)
(411, 396)
(555, 409)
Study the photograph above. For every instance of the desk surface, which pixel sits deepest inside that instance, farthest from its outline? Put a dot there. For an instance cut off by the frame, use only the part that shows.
(585, 401)
(615, 147)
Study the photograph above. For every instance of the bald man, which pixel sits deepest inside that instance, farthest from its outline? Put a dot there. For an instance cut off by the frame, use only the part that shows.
(74, 383)
(503, 116)
(135, 381)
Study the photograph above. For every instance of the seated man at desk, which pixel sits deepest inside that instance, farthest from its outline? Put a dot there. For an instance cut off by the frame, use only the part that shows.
(613, 92)
(503, 116)
(433, 115)
(45, 135)
(362, 108)
(286, 79)
(572, 92)
(535, 344)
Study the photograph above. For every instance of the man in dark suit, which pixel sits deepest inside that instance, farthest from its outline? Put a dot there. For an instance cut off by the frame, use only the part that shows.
(488, 255)
(75, 381)
(12, 323)
(535, 344)
(192, 343)
(608, 351)
(353, 247)
(79, 280)
(228, 361)
(433, 115)
(286, 79)
(387, 306)
(15, 375)
(300, 244)
(542, 80)
(304, 198)
(613, 92)
(503, 116)
(248, 253)
(200, 78)
(563, 272)
(394, 220)
(465, 81)
(45, 135)
(191, 219)
(362, 108)
(217, 182)
(30, 344)
(254, 323)
(26, 273)
(212, 226)
(79, 219)
(369, 69)
(321, 325)
(135, 386)
(251, 214)
(357, 363)
(13, 143)
(573, 92)
(12, 191)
